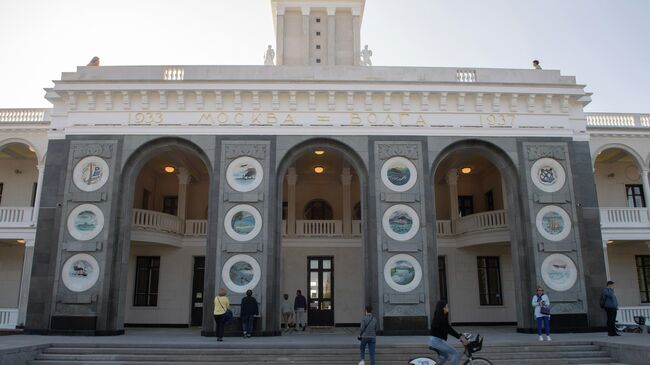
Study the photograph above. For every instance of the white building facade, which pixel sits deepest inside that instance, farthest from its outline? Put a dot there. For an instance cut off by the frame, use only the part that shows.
(145, 189)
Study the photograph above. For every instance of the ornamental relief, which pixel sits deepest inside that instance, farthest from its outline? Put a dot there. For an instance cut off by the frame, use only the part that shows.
(104, 150)
(387, 151)
(536, 152)
(252, 150)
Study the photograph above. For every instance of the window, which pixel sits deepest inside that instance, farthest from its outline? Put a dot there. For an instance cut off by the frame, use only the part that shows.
(146, 195)
(317, 34)
(489, 280)
(318, 60)
(170, 205)
(318, 46)
(317, 20)
(442, 276)
(34, 186)
(318, 209)
(147, 271)
(465, 205)
(489, 201)
(635, 196)
(643, 272)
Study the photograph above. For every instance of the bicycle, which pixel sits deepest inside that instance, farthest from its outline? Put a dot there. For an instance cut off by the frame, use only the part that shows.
(470, 349)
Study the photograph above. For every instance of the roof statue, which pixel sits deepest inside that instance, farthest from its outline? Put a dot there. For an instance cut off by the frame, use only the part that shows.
(365, 56)
(269, 56)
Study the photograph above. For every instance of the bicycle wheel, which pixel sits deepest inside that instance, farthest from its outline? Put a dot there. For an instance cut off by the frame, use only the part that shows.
(478, 361)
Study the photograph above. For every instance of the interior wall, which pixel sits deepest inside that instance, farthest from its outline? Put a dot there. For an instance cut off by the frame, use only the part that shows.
(174, 288)
(462, 284)
(18, 177)
(348, 270)
(611, 179)
(622, 270)
(11, 268)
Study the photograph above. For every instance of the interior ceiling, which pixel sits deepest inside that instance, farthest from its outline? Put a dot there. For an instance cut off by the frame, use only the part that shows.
(16, 151)
(10, 243)
(332, 160)
(178, 159)
(459, 159)
(612, 155)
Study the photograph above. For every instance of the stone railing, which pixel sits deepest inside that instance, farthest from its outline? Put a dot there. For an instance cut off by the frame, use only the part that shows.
(356, 228)
(196, 227)
(481, 222)
(8, 318)
(24, 115)
(624, 218)
(16, 216)
(320, 228)
(625, 315)
(157, 221)
(618, 120)
(466, 75)
(443, 228)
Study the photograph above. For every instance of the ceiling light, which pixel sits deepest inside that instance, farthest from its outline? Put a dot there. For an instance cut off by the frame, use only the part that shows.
(319, 152)
(466, 170)
(31, 148)
(319, 169)
(610, 241)
(169, 169)
(20, 241)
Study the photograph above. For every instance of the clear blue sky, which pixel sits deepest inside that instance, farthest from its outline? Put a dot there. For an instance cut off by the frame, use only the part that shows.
(604, 43)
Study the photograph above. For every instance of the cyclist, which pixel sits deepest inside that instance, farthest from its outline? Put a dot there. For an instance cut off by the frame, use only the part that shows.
(440, 328)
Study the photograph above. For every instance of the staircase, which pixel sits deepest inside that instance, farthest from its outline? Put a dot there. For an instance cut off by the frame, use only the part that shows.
(221, 353)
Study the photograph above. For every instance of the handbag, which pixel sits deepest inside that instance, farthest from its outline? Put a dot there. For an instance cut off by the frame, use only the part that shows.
(227, 315)
(545, 310)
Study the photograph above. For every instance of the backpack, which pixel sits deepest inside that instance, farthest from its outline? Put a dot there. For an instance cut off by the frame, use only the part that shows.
(602, 301)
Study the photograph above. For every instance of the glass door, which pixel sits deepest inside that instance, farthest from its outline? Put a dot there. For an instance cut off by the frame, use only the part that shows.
(320, 275)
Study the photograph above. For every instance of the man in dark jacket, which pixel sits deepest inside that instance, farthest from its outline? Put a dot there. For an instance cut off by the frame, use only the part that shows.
(610, 305)
(248, 312)
(300, 306)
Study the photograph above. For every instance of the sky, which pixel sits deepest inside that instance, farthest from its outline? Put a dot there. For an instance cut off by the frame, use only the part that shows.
(604, 43)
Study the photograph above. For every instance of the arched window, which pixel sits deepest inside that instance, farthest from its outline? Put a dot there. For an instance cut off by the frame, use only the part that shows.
(356, 212)
(318, 209)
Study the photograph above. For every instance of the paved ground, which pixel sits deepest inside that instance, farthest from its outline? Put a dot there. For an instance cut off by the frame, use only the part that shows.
(312, 337)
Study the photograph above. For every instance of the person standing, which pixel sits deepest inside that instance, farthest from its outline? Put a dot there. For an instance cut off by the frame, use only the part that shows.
(440, 328)
(287, 311)
(542, 307)
(221, 305)
(300, 307)
(609, 303)
(368, 336)
(248, 312)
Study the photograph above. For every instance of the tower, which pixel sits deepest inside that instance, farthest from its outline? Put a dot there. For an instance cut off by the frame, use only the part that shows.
(323, 32)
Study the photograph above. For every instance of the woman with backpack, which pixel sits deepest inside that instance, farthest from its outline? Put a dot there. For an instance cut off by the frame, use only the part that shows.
(542, 313)
(221, 312)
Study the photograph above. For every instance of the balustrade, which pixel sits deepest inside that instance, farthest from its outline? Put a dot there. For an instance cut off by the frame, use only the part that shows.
(481, 221)
(8, 318)
(22, 115)
(618, 120)
(196, 227)
(15, 216)
(157, 221)
(466, 75)
(321, 228)
(624, 218)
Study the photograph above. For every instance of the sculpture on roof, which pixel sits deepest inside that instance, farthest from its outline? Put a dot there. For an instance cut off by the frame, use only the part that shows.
(365, 56)
(536, 65)
(269, 56)
(94, 62)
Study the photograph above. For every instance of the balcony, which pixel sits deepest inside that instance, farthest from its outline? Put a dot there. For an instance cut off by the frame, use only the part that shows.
(625, 223)
(8, 318)
(323, 228)
(16, 217)
(474, 229)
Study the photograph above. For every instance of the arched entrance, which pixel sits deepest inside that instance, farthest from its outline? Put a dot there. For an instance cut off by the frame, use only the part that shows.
(321, 249)
(161, 252)
(481, 254)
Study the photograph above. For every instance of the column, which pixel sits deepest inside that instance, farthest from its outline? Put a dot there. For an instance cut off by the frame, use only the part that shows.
(39, 188)
(24, 281)
(356, 29)
(331, 36)
(183, 181)
(305, 35)
(452, 180)
(606, 257)
(346, 179)
(646, 189)
(279, 37)
(292, 178)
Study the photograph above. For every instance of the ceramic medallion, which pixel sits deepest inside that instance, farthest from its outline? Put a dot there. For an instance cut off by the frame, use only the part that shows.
(240, 273)
(243, 222)
(402, 272)
(399, 174)
(559, 272)
(85, 222)
(80, 272)
(401, 222)
(548, 175)
(244, 174)
(90, 174)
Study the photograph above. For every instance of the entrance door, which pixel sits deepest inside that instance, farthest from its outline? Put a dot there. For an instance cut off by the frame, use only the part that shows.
(320, 275)
(197, 290)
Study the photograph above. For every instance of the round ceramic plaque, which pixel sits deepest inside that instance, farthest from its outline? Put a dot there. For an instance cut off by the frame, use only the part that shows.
(243, 222)
(553, 223)
(548, 175)
(244, 174)
(85, 222)
(403, 273)
(80, 272)
(240, 273)
(401, 222)
(559, 272)
(399, 174)
(90, 174)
